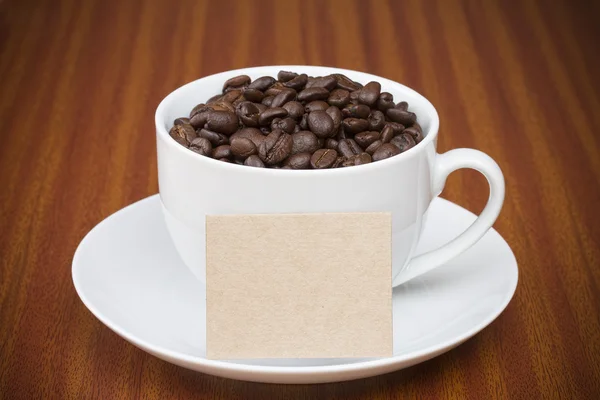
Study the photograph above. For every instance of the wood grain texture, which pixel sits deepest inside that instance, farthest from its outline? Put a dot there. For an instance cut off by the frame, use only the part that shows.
(79, 83)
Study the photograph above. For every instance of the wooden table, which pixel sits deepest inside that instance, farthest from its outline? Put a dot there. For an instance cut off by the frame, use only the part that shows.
(79, 83)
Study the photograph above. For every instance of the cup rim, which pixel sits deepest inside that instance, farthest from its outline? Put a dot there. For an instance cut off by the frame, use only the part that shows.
(429, 135)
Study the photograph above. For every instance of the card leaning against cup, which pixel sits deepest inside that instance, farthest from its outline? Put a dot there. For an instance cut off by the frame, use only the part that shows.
(299, 286)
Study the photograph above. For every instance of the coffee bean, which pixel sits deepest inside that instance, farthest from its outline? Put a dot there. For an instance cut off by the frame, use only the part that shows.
(275, 89)
(216, 139)
(303, 122)
(370, 93)
(236, 81)
(405, 118)
(270, 114)
(287, 125)
(402, 106)
(262, 83)
(417, 127)
(181, 121)
(316, 105)
(276, 147)
(336, 116)
(248, 113)
(314, 93)
(358, 159)
(304, 141)
(249, 133)
(358, 111)
(223, 151)
(254, 161)
(224, 122)
(201, 146)
(297, 161)
(339, 162)
(376, 120)
(297, 83)
(182, 134)
(384, 151)
(200, 107)
(343, 82)
(387, 133)
(222, 105)
(216, 97)
(253, 95)
(242, 147)
(261, 107)
(415, 133)
(365, 139)
(339, 98)
(323, 158)
(385, 101)
(227, 160)
(354, 96)
(331, 143)
(328, 82)
(321, 124)
(295, 109)
(396, 127)
(355, 125)
(231, 96)
(285, 76)
(404, 142)
(373, 147)
(349, 148)
(283, 97)
(340, 135)
(200, 116)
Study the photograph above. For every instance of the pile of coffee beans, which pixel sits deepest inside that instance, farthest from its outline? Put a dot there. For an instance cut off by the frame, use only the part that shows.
(299, 122)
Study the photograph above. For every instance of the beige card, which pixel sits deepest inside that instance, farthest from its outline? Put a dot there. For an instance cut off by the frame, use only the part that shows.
(299, 286)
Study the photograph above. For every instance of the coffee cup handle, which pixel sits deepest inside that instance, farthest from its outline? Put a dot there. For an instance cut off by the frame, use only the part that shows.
(444, 165)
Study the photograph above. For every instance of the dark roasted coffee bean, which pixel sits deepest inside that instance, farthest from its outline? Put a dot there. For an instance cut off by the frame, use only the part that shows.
(354, 97)
(387, 133)
(396, 127)
(417, 127)
(303, 122)
(275, 89)
(321, 124)
(231, 96)
(216, 139)
(323, 158)
(242, 147)
(254, 161)
(370, 93)
(199, 108)
(328, 82)
(270, 114)
(376, 120)
(316, 105)
(261, 107)
(285, 76)
(298, 161)
(223, 151)
(216, 97)
(415, 133)
(248, 113)
(358, 111)
(224, 122)
(304, 141)
(404, 142)
(358, 159)
(314, 93)
(405, 118)
(253, 95)
(365, 139)
(181, 121)
(287, 125)
(199, 118)
(355, 125)
(373, 147)
(297, 83)
(223, 106)
(385, 101)
(253, 134)
(343, 82)
(283, 97)
(262, 83)
(384, 151)
(236, 81)
(227, 160)
(295, 109)
(276, 147)
(336, 116)
(201, 146)
(339, 98)
(182, 134)
(349, 148)
(339, 162)
(402, 106)
(331, 144)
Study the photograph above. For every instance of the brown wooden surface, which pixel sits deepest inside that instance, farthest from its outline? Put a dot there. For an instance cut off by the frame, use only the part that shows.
(79, 83)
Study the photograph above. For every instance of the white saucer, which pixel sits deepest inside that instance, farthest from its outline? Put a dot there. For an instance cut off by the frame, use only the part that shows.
(129, 275)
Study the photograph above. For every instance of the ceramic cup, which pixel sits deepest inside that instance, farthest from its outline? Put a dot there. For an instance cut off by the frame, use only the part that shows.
(193, 186)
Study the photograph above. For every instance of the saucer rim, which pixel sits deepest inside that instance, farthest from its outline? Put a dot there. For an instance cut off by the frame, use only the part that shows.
(228, 366)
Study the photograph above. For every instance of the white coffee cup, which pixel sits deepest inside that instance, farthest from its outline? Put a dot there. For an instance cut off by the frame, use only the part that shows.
(193, 186)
